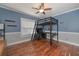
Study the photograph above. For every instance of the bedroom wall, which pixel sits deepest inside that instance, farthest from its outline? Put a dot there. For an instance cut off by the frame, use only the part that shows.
(69, 27)
(69, 22)
(13, 34)
(15, 16)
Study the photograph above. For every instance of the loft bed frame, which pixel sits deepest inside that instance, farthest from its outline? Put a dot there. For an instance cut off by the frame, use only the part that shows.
(40, 24)
(2, 31)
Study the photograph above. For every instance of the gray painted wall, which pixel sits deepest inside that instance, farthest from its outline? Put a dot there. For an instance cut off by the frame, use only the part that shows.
(69, 22)
(15, 16)
(69, 27)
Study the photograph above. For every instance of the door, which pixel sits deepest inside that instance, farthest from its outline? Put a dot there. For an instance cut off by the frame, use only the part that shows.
(27, 26)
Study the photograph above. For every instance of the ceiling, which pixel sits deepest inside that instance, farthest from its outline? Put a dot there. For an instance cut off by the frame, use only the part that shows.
(57, 8)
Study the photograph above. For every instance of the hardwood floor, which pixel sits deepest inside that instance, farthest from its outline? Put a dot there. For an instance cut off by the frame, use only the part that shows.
(2, 47)
(42, 48)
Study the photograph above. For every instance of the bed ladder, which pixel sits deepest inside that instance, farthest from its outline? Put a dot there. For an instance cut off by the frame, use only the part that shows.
(34, 31)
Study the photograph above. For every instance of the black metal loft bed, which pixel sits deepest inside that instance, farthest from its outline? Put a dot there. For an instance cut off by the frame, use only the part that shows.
(38, 31)
(2, 31)
(3, 25)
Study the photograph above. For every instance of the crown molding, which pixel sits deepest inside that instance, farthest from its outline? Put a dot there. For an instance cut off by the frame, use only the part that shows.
(12, 9)
(65, 12)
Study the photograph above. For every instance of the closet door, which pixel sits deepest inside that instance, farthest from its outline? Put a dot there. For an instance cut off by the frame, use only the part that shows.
(27, 26)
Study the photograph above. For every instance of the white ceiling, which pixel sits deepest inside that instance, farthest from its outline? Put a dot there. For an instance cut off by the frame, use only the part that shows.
(57, 8)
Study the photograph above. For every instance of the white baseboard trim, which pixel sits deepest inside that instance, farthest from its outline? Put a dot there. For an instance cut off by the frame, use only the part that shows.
(69, 43)
(55, 39)
(17, 42)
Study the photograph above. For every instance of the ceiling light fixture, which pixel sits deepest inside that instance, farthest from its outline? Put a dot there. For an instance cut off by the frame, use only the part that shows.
(41, 9)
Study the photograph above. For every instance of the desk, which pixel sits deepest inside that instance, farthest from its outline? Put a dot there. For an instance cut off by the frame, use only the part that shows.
(48, 34)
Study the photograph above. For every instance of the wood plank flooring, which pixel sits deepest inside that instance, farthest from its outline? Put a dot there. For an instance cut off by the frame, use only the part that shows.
(2, 47)
(42, 48)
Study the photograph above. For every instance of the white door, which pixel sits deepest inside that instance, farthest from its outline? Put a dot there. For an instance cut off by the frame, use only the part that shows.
(27, 26)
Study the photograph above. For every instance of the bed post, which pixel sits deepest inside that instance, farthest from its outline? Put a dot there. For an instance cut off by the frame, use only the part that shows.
(50, 32)
(57, 31)
(4, 31)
